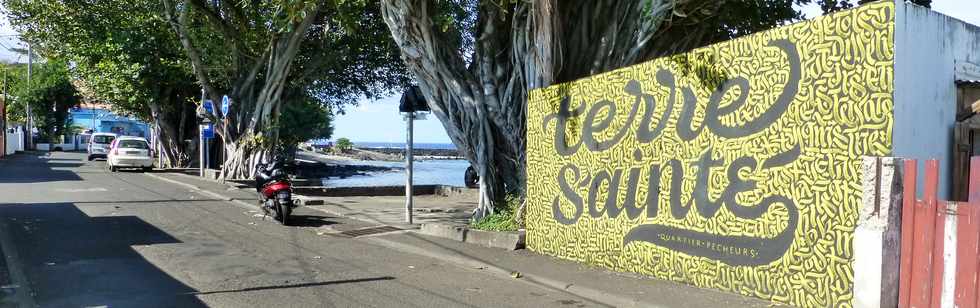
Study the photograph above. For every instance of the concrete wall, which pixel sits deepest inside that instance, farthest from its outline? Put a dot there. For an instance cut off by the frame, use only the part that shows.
(736, 166)
(928, 47)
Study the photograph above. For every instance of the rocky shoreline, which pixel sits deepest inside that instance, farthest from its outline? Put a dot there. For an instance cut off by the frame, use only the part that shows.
(320, 170)
(434, 153)
(395, 154)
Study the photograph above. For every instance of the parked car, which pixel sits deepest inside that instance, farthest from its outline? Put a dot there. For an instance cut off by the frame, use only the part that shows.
(98, 145)
(130, 152)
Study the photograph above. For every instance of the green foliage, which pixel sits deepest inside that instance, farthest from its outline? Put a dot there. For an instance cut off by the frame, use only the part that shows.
(500, 221)
(503, 220)
(303, 120)
(344, 144)
(122, 52)
(50, 96)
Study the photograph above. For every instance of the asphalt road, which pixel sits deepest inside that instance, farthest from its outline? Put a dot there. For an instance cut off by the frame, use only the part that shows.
(89, 238)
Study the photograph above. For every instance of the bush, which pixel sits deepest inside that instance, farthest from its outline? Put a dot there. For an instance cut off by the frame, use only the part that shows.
(502, 220)
(344, 144)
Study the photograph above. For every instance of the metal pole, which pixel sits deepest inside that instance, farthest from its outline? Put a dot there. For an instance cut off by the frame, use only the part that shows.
(30, 123)
(159, 153)
(207, 154)
(3, 117)
(408, 169)
(200, 148)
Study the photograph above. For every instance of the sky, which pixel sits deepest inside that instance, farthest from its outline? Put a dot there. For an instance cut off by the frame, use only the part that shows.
(379, 121)
(8, 40)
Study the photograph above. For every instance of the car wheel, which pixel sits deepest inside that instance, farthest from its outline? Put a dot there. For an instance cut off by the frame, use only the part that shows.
(113, 168)
(90, 158)
(147, 169)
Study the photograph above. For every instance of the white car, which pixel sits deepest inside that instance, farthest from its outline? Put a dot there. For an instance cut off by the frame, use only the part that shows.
(130, 152)
(98, 145)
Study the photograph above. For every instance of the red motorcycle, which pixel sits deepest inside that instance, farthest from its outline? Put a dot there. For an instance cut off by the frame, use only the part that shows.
(275, 190)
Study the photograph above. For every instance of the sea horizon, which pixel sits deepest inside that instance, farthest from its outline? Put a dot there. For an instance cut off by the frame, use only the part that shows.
(398, 145)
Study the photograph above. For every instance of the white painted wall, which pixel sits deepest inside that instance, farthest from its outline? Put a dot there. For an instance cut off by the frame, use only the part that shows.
(928, 46)
(15, 142)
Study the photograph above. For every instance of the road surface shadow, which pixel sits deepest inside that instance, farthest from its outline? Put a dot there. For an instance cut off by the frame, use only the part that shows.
(74, 260)
(298, 285)
(309, 221)
(34, 168)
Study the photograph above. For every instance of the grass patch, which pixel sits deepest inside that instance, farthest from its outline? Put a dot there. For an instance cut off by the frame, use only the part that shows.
(502, 220)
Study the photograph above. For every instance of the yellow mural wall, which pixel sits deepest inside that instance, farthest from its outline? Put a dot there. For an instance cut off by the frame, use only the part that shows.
(733, 167)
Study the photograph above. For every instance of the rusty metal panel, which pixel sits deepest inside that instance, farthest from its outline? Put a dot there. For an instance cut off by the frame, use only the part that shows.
(908, 229)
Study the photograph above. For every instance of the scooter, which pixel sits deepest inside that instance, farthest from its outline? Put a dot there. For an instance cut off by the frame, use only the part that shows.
(275, 190)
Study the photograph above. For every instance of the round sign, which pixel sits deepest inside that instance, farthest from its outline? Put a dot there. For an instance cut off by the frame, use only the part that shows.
(225, 104)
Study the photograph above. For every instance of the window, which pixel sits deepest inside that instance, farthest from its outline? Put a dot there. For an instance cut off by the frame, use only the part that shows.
(133, 144)
(103, 139)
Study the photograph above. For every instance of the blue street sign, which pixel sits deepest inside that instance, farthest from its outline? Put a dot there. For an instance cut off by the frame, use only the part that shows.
(225, 103)
(209, 106)
(207, 131)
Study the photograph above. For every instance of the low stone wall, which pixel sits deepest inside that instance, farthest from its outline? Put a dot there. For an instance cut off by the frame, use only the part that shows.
(442, 190)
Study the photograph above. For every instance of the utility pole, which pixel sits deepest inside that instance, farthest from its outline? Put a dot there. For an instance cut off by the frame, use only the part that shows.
(30, 122)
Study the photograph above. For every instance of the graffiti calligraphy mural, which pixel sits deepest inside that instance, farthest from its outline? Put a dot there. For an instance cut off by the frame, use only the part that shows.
(734, 166)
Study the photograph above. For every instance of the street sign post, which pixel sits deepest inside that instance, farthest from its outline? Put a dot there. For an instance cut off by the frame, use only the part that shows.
(209, 106)
(413, 106)
(203, 112)
(207, 131)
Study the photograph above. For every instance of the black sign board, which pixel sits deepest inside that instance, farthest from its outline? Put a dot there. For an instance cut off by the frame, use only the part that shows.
(413, 101)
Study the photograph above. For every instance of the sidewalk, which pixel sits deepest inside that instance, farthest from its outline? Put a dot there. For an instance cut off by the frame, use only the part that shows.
(607, 287)
(390, 210)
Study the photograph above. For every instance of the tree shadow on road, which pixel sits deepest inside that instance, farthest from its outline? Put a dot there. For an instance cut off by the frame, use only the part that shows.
(298, 285)
(24, 168)
(75, 260)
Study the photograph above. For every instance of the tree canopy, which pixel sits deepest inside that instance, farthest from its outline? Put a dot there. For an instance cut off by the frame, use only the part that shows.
(261, 53)
(122, 53)
(50, 95)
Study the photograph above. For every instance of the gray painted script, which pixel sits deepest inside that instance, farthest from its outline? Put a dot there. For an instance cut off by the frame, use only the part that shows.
(733, 250)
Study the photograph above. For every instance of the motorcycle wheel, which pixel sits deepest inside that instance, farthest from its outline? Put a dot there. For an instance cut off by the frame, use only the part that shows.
(283, 211)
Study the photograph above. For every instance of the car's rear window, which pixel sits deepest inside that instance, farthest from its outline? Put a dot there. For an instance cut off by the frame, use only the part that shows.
(133, 144)
(103, 139)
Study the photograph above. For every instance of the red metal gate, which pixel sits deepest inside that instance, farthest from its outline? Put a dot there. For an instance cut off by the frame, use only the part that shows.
(928, 277)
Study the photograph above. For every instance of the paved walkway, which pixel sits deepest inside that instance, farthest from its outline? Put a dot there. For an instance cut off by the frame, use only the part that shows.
(599, 285)
(390, 210)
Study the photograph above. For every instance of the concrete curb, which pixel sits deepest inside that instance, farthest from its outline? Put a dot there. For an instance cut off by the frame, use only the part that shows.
(597, 296)
(23, 293)
(492, 239)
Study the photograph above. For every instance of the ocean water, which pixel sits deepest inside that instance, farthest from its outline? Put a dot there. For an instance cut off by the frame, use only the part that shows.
(398, 145)
(401, 145)
(427, 172)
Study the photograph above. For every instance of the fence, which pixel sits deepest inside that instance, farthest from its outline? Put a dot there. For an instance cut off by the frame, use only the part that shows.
(939, 249)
